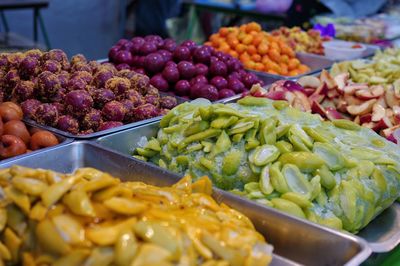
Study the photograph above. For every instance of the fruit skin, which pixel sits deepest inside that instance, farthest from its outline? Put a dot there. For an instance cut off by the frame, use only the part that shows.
(145, 111)
(46, 114)
(78, 102)
(68, 123)
(113, 111)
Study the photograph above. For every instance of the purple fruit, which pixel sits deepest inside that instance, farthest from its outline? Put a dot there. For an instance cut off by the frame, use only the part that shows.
(68, 123)
(154, 62)
(86, 76)
(171, 74)
(92, 119)
(225, 93)
(140, 83)
(135, 97)
(235, 85)
(186, 69)
(167, 55)
(137, 43)
(152, 90)
(24, 90)
(169, 45)
(219, 82)
(199, 79)
(159, 82)
(195, 90)
(48, 84)
(182, 87)
(78, 102)
(101, 77)
(145, 111)
(51, 66)
(102, 96)
(201, 55)
(249, 79)
(181, 53)
(201, 69)
(168, 102)
(118, 85)
(123, 66)
(113, 111)
(129, 106)
(76, 83)
(154, 39)
(234, 64)
(218, 68)
(28, 67)
(123, 57)
(10, 80)
(189, 44)
(109, 125)
(152, 99)
(46, 114)
(81, 67)
(57, 55)
(122, 42)
(36, 53)
(60, 108)
(78, 58)
(148, 48)
(140, 71)
(29, 107)
(126, 73)
(112, 53)
(208, 92)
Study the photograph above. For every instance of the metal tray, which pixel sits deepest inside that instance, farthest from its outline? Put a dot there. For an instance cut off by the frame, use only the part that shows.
(315, 62)
(296, 240)
(99, 133)
(382, 234)
(62, 140)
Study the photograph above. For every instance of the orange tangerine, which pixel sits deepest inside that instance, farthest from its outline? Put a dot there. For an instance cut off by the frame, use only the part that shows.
(303, 68)
(259, 67)
(251, 49)
(241, 48)
(274, 55)
(253, 26)
(223, 31)
(293, 63)
(232, 42)
(233, 53)
(248, 39)
(293, 73)
(249, 64)
(244, 57)
(284, 69)
(263, 48)
(256, 57)
(257, 40)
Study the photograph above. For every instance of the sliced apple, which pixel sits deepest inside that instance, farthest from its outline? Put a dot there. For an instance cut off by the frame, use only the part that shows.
(351, 100)
(369, 125)
(278, 86)
(332, 94)
(290, 96)
(309, 91)
(316, 108)
(362, 109)
(341, 105)
(388, 131)
(332, 113)
(316, 98)
(301, 102)
(326, 78)
(276, 95)
(352, 88)
(378, 112)
(382, 124)
(391, 138)
(370, 93)
(396, 87)
(357, 120)
(309, 82)
(382, 101)
(365, 118)
(341, 80)
(390, 97)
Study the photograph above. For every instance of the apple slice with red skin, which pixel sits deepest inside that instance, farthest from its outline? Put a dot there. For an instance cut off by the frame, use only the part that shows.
(309, 82)
(382, 101)
(357, 120)
(362, 109)
(378, 112)
(276, 95)
(390, 97)
(370, 93)
(332, 113)
(308, 91)
(352, 88)
(301, 101)
(388, 131)
(290, 96)
(341, 80)
(319, 98)
(326, 78)
(365, 118)
(391, 138)
(369, 125)
(384, 123)
(278, 86)
(351, 100)
(316, 108)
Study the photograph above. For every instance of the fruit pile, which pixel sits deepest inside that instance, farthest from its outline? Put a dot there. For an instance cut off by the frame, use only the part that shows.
(283, 158)
(302, 41)
(16, 138)
(92, 218)
(186, 70)
(384, 68)
(373, 106)
(77, 96)
(258, 50)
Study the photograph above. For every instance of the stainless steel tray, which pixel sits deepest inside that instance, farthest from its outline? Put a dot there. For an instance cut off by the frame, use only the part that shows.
(382, 234)
(99, 133)
(295, 240)
(61, 139)
(315, 62)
